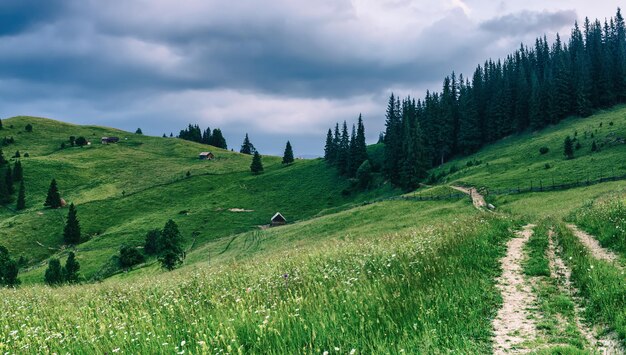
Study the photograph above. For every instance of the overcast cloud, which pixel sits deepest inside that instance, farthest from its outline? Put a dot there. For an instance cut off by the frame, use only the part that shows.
(278, 70)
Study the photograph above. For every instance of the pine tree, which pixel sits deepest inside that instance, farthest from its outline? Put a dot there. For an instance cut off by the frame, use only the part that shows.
(138, 131)
(329, 151)
(393, 141)
(171, 254)
(247, 147)
(5, 197)
(54, 273)
(53, 200)
(8, 269)
(71, 269)
(71, 232)
(18, 172)
(568, 148)
(8, 180)
(343, 151)
(359, 154)
(21, 197)
(218, 140)
(257, 165)
(288, 155)
(151, 246)
(594, 147)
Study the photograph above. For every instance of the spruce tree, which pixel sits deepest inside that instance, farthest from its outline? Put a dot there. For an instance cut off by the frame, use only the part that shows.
(18, 172)
(257, 165)
(138, 131)
(218, 140)
(329, 151)
(568, 148)
(71, 269)
(360, 149)
(5, 197)
(8, 269)
(393, 141)
(151, 245)
(71, 232)
(594, 147)
(54, 273)
(53, 200)
(171, 254)
(247, 147)
(8, 180)
(288, 155)
(343, 150)
(21, 197)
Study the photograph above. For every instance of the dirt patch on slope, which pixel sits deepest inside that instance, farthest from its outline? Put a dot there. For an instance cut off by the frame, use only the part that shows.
(513, 324)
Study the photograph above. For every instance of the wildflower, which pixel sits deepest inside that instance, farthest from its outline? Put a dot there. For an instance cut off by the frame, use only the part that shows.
(352, 352)
(116, 350)
(182, 343)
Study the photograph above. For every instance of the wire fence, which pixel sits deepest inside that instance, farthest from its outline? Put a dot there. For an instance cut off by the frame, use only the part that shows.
(540, 186)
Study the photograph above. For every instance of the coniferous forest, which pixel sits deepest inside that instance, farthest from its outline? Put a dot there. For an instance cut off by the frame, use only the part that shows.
(532, 88)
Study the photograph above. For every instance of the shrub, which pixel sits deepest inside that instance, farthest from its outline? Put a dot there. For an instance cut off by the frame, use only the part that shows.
(130, 257)
(544, 150)
(547, 166)
(28, 128)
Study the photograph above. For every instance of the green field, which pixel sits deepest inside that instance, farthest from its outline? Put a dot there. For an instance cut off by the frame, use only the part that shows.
(351, 273)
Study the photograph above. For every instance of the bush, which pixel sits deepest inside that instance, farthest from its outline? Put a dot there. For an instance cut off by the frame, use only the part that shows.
(29, 128)
(81, 141)
(547, 166)
(130, 257)
(544, 150)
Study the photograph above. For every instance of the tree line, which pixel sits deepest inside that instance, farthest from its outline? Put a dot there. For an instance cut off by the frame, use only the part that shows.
(195, 134)
(346, 151)
(532, 88)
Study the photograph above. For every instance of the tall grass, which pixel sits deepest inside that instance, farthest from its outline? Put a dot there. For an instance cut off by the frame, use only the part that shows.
(428, 290)
(601, 284)
(606, 220)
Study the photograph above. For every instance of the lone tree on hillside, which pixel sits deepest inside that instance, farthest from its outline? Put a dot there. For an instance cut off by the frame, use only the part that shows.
(151, 247)
(71, 233)
(8, 180)
(257, 165)
(53, 200)
(129, 257)
(8, 269)
(171, 254)
(54, 273)
(138, 131)
(288, 155)
(568, 148)
(81, 141)
(28, 128)
(18, 171)
(247, 147)
(21, 197)
(71, 269)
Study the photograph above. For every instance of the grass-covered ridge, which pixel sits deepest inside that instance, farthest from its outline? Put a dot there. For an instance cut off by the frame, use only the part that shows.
(516, 161)
(123, 190)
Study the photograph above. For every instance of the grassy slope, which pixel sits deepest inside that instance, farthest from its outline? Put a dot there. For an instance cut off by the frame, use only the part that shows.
(122, 190)
(515, 161)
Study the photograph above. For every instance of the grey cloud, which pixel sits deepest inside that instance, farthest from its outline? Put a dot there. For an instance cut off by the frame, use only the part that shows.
(526, 22)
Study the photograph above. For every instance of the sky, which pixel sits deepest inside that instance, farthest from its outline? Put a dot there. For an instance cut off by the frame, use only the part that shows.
(276, 69)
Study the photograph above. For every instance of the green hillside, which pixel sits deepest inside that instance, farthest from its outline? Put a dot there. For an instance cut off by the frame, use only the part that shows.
(347, 276)
(516, 161)
(123, 190)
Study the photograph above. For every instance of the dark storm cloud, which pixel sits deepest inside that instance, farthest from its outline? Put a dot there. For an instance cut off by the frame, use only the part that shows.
(160, 64)
(20, 15)
(530, 22)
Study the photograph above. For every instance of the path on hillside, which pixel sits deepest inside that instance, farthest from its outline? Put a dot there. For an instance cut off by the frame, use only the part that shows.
(592, 244)
(513, 324)
(605, 344)
(477, 199)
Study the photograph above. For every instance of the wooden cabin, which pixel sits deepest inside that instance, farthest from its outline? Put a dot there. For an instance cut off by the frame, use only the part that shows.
(278, 220)
(206, 156)
(107, 140)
